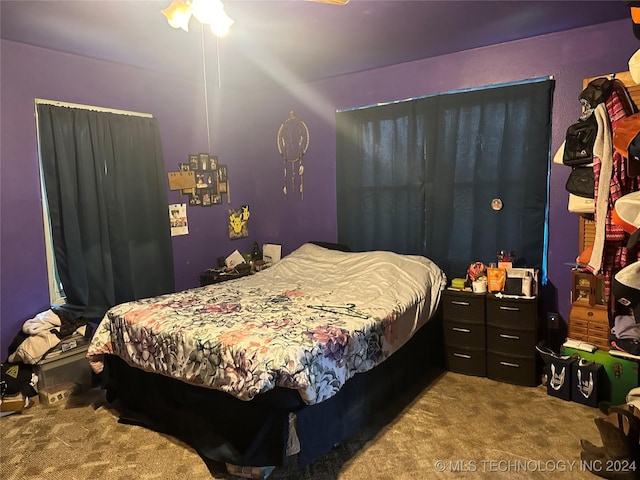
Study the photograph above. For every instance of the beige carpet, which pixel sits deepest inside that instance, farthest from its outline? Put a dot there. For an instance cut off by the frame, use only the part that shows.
(457, 426)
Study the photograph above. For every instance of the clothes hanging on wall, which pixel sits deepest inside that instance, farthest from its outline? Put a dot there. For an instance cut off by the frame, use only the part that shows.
(612, 181)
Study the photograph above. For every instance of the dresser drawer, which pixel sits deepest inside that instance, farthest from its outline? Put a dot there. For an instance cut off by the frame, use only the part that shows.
(601, 343)
(512, 314)
(589, 325)
(463, 307)
(591, 314)
(599, 329)
(516, 342)
(520, 370)
(469, 335)
(469, 361)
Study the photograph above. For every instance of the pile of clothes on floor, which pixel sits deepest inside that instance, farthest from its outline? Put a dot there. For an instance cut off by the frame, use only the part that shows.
(43, 334)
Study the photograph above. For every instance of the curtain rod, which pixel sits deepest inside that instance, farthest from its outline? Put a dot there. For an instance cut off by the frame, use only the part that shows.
(41, 101)
(463, 90)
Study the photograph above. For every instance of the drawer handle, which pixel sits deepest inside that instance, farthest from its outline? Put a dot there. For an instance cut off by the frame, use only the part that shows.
(511, 309)
(458, 302)
(590, 314)
(463, 330)
(510, 337)
(461, 355)
(509, 364)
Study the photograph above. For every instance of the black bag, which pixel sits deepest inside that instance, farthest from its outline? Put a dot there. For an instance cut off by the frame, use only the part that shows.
(581, 182)
(578, 148)
(596, 92)
(586, 384)
(16, 378)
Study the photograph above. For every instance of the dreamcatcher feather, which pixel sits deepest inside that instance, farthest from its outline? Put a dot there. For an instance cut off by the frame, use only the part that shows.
(293, 142)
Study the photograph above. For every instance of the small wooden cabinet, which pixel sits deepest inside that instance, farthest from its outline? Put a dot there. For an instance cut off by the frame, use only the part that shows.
(512, 334)
(463, 316)
(587, 289)
(588, 318)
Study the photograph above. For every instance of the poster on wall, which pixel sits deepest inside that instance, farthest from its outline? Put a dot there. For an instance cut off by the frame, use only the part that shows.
(178, 219)
(238, 218)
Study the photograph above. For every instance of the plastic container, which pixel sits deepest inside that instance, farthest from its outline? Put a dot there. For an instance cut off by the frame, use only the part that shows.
(71, 366)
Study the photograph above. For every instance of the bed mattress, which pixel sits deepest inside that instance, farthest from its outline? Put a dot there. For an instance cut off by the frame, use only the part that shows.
(309, 323)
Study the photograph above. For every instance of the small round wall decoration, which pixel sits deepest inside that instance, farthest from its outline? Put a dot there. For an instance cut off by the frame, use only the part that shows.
(496, 204)
(293, 142)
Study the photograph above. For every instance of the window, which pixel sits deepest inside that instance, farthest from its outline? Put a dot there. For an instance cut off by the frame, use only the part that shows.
(419, 176)
(105, 206)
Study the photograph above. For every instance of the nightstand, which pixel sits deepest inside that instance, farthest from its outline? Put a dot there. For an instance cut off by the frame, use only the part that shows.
(512, 334)
(463, 315)
(210, 277)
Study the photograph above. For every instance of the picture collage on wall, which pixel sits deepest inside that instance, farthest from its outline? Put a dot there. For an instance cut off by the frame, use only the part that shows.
(211, 180)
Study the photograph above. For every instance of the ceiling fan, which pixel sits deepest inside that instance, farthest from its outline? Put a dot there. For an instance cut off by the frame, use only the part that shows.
(209, 12)
(331, 2)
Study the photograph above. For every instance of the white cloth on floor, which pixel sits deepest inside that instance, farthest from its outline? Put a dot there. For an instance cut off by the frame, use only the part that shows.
(34, 347)
(42, 322)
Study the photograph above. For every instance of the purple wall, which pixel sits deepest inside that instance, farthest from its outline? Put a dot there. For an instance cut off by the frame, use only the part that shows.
(568, 57)
(176, 101)
(244, 130)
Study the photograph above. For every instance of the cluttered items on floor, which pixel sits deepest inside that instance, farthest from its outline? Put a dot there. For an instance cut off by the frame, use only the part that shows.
(572, 377)
(619, 431)
(588, 376)
(48, 331)
(17, 388)
(47, 361)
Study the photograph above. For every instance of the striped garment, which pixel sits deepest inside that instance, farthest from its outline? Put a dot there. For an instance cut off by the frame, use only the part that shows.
(614, 253)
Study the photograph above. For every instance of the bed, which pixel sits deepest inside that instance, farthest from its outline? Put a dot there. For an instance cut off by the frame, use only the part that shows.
(290, 360)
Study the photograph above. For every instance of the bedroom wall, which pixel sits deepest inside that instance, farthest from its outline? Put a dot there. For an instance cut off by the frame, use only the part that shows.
(568, 57)
(175, 100)
(244, 130)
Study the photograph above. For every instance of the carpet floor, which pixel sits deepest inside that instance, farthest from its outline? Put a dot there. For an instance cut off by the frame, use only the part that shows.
(454, 426)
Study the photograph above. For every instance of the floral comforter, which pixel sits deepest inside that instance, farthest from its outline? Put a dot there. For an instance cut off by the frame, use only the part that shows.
(310, 322)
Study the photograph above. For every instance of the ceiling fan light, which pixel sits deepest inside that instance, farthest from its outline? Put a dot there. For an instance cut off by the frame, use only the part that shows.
(206, 11)
(221, 25)
(178, 14)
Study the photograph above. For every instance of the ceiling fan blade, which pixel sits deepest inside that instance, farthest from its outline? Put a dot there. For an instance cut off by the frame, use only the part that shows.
(331, 2)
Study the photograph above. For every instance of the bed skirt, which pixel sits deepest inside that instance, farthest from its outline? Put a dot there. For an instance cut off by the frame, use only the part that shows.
(222, 428)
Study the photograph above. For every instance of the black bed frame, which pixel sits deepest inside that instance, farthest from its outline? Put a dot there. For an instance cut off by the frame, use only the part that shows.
(222, 428)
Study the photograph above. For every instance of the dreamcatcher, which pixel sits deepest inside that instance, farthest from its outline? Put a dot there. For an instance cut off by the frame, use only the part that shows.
(293, 142)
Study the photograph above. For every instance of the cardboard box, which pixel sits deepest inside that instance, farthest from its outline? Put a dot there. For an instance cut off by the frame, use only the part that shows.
(57, 393)
(17, 403)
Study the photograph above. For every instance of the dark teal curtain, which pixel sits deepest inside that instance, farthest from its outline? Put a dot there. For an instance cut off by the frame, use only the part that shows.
(106, 190)
(419, 176)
